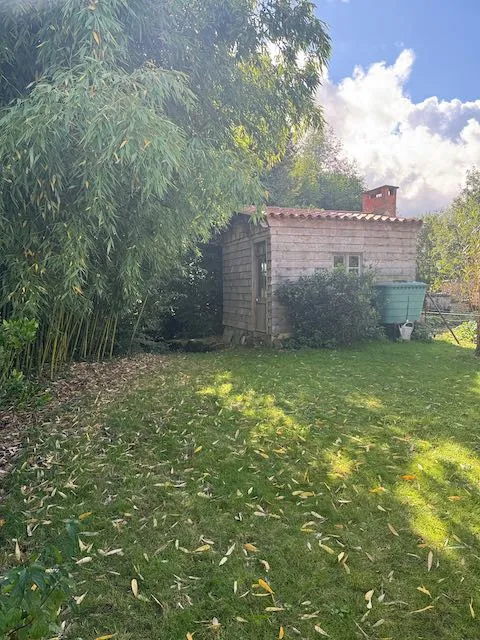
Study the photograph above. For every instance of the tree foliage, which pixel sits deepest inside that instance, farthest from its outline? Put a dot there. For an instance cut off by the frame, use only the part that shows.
(450, 244)
(316, 173)
(128, 131)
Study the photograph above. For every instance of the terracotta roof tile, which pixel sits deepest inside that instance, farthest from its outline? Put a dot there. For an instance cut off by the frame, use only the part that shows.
(323, 214)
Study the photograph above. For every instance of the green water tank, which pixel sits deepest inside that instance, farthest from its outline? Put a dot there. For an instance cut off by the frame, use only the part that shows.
(398, 302)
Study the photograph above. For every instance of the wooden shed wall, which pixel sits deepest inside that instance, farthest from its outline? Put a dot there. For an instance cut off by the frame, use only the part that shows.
(238, 265)
(300, 246)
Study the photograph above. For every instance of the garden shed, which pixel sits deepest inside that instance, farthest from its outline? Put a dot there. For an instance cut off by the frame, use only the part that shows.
(288, 243)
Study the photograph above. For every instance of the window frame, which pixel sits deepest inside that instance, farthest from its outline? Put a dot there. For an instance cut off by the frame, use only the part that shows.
(345, 266)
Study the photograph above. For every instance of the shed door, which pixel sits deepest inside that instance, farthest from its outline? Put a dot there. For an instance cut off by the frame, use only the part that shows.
(260, 286)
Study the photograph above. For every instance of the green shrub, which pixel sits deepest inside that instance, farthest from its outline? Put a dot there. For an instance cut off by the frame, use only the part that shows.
(16, 336)
(33, 594)
(331, 308)
(467, 331)
(421, 333)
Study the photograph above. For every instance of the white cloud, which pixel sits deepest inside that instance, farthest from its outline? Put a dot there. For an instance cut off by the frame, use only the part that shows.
(425, 148)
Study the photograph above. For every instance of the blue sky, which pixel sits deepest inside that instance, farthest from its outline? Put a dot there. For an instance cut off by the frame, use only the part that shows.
(402, 93)
(444, 34)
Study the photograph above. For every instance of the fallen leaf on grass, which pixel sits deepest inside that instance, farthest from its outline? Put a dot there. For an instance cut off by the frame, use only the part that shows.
(134, 585)
(107, 637)
(424, 590)
(430, 606)
(377, 490)
(80, 599)
(454, 498)
(408, 477)
(223, 561)
(203, 548)
(326, 548)
(84, 560)
(368, 597)
(274, 609)
(265, 586)
(215, 624)
(429, 560)
(250, 547)
(85, 515)
(113, 552)
(189, 636)
(392, 529)
(470, 606)
(281, 633)
(321, 631)
(18, 553)
(378, 623)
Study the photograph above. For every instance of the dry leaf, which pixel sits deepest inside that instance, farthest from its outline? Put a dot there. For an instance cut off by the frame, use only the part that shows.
(189, 636)
(424, 590)
(326, 548)
(96, 37)
(378, 623)
(198, 449)
(222, 561)
(377, 490)
(203, 548)
(368, 597)
(273, 609)
(472, 610)
(392, 529)
(321, 631)
(454, 498)
(430, 606)
(18, 553)
(230, 550)
(85, 560)
(281, 633)
(80, 599)
(107, 637)
(265, 565)
(250, 547)
(84, 516)
(265, 586)
(134, 585)
(408, 477)
(429, 560)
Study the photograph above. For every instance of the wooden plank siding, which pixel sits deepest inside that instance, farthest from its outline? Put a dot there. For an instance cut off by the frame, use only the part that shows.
(238, 275)
(301, 246)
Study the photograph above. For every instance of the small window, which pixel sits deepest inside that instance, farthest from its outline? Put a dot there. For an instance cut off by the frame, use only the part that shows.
(354, 264)
(348, 262)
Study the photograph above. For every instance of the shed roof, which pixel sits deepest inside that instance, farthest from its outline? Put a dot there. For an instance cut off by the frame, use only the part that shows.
(323, 214)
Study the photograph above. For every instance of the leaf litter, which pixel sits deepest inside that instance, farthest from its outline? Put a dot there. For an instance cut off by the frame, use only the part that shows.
(173, 479)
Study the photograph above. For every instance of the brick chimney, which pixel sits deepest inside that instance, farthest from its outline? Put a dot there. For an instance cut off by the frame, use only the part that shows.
(381, 200)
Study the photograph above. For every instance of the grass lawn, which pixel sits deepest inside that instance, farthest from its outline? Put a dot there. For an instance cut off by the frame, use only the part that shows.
(276, 494)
